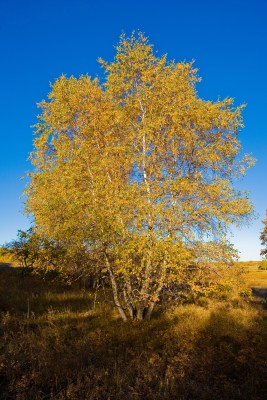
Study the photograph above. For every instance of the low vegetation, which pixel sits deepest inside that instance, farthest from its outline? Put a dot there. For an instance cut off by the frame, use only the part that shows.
(263, 265)
(64, 342)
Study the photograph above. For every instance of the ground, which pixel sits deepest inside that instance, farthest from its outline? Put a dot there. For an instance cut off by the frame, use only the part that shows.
(59, 342)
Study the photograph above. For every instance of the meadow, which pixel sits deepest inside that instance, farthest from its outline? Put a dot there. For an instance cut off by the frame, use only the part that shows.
(66, 342)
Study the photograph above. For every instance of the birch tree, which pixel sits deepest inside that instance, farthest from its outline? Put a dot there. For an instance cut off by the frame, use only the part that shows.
(139, 171)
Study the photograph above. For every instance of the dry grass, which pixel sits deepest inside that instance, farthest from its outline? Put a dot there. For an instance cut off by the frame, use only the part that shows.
(254, 277)
(257, 279)
(58, 343)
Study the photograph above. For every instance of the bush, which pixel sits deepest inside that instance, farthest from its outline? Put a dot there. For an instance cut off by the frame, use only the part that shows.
(6, 256)
(263, 265)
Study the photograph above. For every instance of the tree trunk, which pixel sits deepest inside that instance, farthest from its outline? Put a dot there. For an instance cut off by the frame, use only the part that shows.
(115, 290)
(144, 313)
(149, 311)
(140, 311)
(129, 305)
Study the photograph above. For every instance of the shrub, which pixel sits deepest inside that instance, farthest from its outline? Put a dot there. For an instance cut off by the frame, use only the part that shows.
(263, 265)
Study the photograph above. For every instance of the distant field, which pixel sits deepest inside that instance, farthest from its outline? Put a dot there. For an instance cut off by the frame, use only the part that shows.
(251, 265)
(255, 277)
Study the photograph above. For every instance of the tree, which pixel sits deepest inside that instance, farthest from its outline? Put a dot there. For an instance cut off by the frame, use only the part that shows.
(25, 248)
(35, 251)
(263, 237)
(139, 171)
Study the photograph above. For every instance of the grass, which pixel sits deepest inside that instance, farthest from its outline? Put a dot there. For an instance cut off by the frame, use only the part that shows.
(254, 276)
(58, 342)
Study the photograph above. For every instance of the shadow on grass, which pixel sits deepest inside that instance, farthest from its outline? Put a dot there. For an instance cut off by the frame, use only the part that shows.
(6, 266)
(192, 353)
(86, 356)
(229, 359)
(260, 292)
(30, 293)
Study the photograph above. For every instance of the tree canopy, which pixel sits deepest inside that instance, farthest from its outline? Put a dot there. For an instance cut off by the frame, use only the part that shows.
(263, 237)
(138, 171)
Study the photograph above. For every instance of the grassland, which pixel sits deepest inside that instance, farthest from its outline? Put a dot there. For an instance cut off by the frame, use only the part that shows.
(254, 276)
(60, 342)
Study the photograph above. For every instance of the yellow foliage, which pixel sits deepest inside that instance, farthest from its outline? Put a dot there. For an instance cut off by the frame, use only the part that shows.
(138, 170)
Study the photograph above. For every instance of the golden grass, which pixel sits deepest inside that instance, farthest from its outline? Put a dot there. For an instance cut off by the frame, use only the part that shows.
(254, 277)
(57, 343)
(257, 279)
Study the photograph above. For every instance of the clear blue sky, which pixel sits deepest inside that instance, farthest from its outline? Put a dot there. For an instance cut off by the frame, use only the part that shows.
(40, 40)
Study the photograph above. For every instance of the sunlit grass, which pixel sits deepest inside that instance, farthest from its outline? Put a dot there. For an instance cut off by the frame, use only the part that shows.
(254, 277)
(257, 279)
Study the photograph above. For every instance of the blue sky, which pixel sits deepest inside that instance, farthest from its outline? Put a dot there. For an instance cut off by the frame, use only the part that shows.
(40, 40)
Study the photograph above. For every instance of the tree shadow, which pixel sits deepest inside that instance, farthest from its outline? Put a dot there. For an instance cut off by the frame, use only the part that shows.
(226, 360)
(229, 360)
(260, 292)
(31, 294)
(6, 266)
